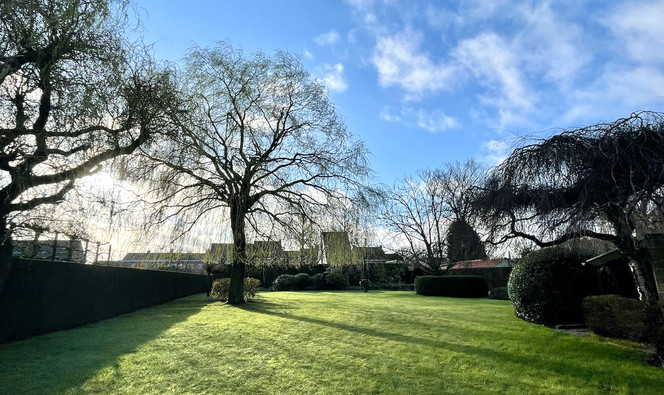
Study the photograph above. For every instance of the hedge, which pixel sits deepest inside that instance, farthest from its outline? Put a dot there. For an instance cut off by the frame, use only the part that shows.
(454, 286)
(623, 318)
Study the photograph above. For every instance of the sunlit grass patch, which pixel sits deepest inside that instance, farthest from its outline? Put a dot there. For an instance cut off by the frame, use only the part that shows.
(323, 342)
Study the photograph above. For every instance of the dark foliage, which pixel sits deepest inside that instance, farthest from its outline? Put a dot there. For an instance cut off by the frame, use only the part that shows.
(454, 286)
(548, 285)
(302, 281)
(463, 243)
(499, 293)
(285, 282)
(336, 281)
(623, 318)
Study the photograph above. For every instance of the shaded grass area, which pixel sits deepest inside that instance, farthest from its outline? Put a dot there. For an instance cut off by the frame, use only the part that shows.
(323, 342)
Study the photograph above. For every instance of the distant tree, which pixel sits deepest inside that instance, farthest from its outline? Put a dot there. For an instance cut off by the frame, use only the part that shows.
(604, 181)
(463, 243)
(73, 94)
(414, 209)
(261, 139)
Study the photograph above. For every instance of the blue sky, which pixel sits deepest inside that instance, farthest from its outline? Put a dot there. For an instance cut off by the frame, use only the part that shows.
(428, 82)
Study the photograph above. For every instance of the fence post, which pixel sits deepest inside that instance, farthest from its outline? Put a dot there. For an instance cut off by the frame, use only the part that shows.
(97, 254)
(108, 258)
(55, 246)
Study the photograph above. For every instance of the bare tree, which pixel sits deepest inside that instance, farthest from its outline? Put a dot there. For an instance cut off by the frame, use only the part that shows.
(415, 209)
(73, 94)
(596, 182)
(261, 139)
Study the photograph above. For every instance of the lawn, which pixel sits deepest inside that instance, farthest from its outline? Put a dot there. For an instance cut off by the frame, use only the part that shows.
(323, 342)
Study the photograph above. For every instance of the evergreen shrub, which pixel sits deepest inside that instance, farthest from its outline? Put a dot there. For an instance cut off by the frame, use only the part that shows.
(454, 286)
(285, 282)
(548, 286)
(623, 318)
(302, 281)
(499, 293)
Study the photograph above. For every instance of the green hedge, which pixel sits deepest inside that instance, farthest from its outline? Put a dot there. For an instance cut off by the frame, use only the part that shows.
(43, 296)
(454, 286)
(495, 276)
(499, 293)
(623, 318)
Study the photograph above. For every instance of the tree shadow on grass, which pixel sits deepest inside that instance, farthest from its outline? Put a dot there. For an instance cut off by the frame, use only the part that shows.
(573, 365)
(63, 361)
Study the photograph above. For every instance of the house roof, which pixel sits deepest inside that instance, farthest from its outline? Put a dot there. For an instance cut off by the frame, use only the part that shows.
(479, 263)
(605, 258)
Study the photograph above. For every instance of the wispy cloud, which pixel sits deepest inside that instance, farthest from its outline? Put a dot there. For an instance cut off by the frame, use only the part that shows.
(400, 62)
(495, 151)
(329, 38)
(333, 77)
(434, 121)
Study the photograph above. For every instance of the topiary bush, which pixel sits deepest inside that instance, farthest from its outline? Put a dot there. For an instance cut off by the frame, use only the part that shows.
(623, 318)
(336, 281)
(285, 282)
(318, 281)
(302, 281)
(548, 286)
(221, 286)
(454, 286)
(499, 293)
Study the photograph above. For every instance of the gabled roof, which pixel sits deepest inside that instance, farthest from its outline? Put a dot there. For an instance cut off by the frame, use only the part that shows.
(482, 263)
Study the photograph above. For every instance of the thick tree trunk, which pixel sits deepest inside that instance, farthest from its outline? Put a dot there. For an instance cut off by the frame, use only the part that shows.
(5, 253)
(236, 289)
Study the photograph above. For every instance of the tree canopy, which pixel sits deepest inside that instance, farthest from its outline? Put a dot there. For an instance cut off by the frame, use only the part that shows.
(260, 139)
(73, 94)
(603, 181)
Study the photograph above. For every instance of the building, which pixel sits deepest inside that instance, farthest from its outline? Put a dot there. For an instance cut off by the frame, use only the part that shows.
(174, 261)
(483, 263)
(65, 250)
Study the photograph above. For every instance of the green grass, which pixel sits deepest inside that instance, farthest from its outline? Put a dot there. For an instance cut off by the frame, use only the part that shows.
(323, 342)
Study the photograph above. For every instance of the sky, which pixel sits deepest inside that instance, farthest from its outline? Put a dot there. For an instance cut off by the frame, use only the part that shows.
(423, 83)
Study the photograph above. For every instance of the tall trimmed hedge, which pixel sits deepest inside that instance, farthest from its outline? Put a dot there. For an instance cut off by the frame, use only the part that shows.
(454, 286)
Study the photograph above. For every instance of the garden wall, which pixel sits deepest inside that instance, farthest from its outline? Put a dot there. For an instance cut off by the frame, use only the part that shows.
(495, 276)
(43, 296)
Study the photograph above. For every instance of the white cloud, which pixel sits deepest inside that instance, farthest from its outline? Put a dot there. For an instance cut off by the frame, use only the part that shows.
(639, 27)
(399, 61)
(433, 121)
(308, 54)
(493, 62)
(333, 77)
(328, 38)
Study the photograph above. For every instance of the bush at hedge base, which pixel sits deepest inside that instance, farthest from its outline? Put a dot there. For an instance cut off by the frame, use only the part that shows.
(499, 293)
(221, 286)
(548, 285)
(302, 281)
(454, 286)
(623, 318)
(285, 282)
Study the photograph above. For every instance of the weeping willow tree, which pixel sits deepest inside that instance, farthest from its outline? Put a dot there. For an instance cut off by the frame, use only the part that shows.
(261, 140)
(74, 93)
(604, 181)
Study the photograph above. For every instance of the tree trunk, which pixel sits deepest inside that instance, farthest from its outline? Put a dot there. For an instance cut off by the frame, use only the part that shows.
(5, 253)
(236, 289)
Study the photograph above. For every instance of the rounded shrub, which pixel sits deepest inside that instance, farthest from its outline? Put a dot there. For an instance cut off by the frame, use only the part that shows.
(499, 293)
(453, 286)
(548, 285)
(302, 281)
(336, 281)
(318, 281)
(285, 282)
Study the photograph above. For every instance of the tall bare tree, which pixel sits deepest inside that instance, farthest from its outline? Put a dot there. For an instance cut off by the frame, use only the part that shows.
(73, 94)
(414, 209)
(596, 181)
(261, 139)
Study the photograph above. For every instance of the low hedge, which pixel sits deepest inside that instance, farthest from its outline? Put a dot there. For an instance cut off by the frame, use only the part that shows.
(454, 286)
(499, 293)
(221, 286)
(623, 318)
